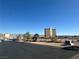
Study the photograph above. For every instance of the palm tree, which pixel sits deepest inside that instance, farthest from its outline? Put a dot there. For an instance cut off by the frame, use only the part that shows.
(35, 37)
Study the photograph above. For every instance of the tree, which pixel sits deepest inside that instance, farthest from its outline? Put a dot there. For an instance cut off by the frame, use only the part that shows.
(27, 36)
(35, 37)
(18, 37)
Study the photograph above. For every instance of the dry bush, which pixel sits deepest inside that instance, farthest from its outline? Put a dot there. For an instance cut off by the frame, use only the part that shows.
(77, 40)
(58, 41)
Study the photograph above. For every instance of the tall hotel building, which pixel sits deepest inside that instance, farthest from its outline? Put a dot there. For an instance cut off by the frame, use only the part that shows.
(49, 33)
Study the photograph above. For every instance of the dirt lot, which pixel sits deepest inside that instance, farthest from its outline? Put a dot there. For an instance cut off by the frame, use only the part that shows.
(47, 44)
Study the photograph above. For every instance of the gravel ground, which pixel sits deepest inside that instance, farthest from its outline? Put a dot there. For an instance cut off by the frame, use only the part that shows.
(12, 50)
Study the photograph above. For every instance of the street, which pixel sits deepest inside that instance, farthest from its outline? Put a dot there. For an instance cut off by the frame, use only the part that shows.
(13, 50)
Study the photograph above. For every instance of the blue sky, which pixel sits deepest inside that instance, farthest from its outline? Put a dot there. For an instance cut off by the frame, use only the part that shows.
(20, 16)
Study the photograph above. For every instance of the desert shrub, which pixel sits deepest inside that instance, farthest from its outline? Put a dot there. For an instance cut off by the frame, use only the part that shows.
(77, 40)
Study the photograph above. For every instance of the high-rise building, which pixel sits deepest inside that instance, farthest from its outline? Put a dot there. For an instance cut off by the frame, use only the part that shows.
(50, 33)
(53, 32)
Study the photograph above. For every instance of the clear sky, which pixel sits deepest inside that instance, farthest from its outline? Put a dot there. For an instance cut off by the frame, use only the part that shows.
(19, 16)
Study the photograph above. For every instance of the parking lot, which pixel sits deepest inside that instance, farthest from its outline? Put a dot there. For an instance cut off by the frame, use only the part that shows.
(16, 50)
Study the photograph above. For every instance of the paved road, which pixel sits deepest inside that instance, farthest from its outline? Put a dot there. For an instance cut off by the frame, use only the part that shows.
(12, 50)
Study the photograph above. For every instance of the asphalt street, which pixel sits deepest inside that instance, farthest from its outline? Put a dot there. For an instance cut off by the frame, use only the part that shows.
(13, 50)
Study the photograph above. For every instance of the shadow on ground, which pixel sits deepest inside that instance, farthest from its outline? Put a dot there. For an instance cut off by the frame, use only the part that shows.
(13, 50)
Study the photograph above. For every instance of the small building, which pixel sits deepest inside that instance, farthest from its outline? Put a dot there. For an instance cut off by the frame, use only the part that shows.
(7, 36)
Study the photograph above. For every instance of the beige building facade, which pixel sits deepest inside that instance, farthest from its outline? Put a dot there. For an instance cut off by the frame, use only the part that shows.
(49, 33)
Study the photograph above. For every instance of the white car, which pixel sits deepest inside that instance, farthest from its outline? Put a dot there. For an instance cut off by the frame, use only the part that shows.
(71, 43)
(68, 43)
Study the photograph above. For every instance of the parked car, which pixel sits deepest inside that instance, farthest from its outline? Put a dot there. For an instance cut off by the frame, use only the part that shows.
(68, 42)
(1, 40)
